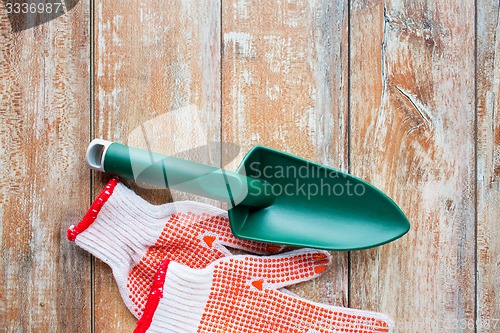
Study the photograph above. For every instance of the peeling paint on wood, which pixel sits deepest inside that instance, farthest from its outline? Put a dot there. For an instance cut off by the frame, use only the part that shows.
(488, 167)
(44, 112)
(157, 86)
(284, 85)
(412, 135)
(408, 126)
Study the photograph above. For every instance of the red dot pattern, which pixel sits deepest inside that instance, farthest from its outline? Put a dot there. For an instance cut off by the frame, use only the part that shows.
(182, 241)
(235, 305)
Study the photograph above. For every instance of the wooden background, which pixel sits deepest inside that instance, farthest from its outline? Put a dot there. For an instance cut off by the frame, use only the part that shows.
(404, 94)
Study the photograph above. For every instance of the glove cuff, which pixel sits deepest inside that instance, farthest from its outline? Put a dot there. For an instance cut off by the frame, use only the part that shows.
(119, 227)
(93, 211)
(177, 299)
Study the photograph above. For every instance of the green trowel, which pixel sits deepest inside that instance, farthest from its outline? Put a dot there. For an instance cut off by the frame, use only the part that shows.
(273, 197)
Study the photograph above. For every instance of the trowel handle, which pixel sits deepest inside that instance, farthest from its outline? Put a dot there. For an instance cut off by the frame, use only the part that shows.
(166, 171)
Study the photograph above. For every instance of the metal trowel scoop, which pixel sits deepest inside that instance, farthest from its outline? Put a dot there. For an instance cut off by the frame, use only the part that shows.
(273, 197)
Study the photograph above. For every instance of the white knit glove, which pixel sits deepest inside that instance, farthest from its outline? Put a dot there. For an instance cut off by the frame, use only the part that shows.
(241, 294)
(133, 237)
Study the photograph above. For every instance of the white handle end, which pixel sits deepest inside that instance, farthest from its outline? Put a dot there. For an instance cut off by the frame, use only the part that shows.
(95, 154)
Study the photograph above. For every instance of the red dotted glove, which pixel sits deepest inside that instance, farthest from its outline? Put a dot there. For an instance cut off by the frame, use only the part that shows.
(241, 294)
(133, 237)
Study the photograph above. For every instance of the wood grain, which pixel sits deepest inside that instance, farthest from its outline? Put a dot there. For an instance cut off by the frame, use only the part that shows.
(284, 85)
(207, 80)
(488, 166)
(156, 86)
(412, 135)
(44, 112)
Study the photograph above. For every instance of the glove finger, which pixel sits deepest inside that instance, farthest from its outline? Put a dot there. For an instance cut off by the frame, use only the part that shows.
(278, 271)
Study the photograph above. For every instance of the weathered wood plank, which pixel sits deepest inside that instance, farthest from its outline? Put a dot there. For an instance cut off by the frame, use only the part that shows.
(284, 84)
(44, 127)
(157, 86)
(488, 166)
(412, 135)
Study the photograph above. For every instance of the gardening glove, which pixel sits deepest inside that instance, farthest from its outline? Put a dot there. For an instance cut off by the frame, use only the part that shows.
(133, 236)
(241, 294)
